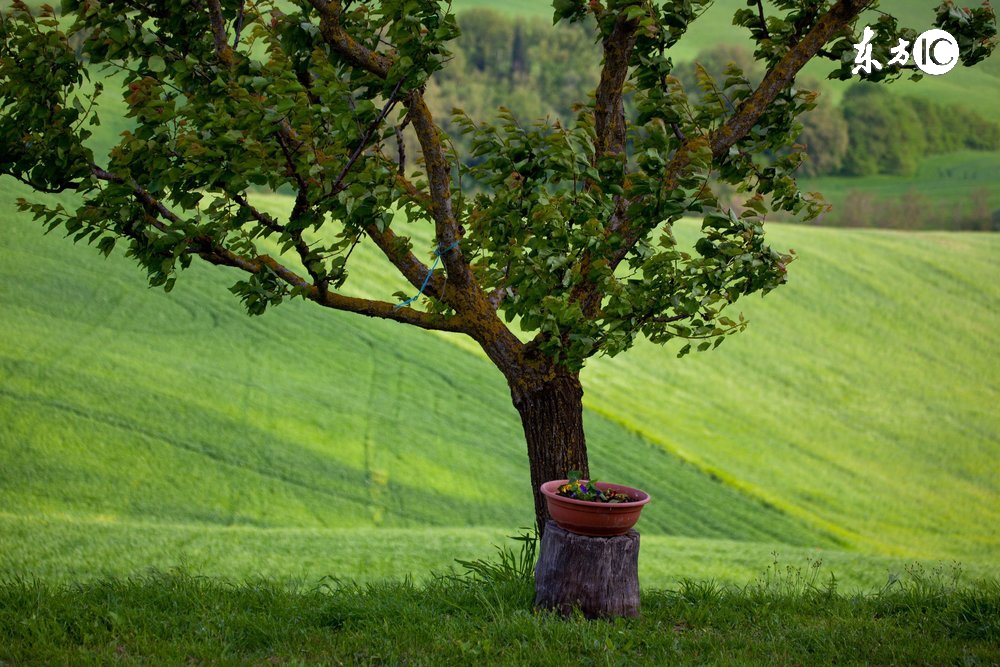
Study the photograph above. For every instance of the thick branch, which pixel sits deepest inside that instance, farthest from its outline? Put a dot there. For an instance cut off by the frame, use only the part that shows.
(609, 112)
(460, 290)
(368, 307)
(436, 163)
(609, 125)
(783, 74)
(214, 253)
(222, 49)
(439, 178)
(349, 48)
(371, 308)
(399, 255)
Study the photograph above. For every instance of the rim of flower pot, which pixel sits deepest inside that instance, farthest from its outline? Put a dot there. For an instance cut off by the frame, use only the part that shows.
(550, 489)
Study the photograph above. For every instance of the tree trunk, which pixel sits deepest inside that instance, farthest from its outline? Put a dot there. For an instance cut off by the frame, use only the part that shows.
(552, 416)
(597, 575)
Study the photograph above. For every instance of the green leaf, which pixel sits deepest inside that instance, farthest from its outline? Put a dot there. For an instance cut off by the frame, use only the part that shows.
(157, 64)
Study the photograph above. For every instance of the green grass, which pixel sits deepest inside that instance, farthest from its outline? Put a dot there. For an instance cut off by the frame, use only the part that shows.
(944, 179)
(854, 420)
(786, 618)
(861, 400)
(74, 550)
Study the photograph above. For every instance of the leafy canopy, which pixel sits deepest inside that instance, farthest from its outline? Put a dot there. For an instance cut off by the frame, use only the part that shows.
(563, 229)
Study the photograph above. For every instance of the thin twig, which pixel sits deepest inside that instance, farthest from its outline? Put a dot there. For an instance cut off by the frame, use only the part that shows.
(238, 24)
(390, 103)
(763, 21)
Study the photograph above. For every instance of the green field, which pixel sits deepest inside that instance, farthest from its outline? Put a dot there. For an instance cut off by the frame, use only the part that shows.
(945, 180)
(854, 422)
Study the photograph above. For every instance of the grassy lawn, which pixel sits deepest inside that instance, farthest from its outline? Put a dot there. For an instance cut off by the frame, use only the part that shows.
(65, 550)
(173, 618)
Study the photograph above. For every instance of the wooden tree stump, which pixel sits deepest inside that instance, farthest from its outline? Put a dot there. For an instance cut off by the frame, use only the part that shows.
(598, 575)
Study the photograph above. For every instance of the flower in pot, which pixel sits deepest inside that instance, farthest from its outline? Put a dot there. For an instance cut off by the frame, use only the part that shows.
(589, 507)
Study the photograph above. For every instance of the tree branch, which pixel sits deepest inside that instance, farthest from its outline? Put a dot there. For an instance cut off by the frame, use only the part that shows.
(763, 21)
(367, 307)
(420, 198)
(222, 49)
(609, 112)
(263, 218)
(69, 185)
(141, 194)
(214, 253)
(338, 184)
(391, 245)
(609, 126)
(779, 77)
(439, 178)
(238, 23)
(305, 253)
(428, 134)
(349, 48)
(415, 271)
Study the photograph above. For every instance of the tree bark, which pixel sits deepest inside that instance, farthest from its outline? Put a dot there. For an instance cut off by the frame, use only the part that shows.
(597, 575)
(552, 416)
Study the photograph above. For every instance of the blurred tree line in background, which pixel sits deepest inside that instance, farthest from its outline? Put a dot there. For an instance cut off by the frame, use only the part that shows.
(537, 70)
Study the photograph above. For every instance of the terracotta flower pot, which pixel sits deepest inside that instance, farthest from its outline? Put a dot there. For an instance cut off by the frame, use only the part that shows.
(594, 518)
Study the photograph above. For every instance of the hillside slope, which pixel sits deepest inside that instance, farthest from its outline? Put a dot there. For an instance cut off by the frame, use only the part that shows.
(128, 404)
(863, 398)
(859, 409)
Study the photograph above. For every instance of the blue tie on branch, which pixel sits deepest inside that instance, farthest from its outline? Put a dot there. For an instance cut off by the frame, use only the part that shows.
(438, 252)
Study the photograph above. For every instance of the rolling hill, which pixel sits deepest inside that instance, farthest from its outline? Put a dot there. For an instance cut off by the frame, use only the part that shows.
(855, 422)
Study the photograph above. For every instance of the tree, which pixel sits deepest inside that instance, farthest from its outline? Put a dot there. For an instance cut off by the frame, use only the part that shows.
(885, 135)
(568, 239)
